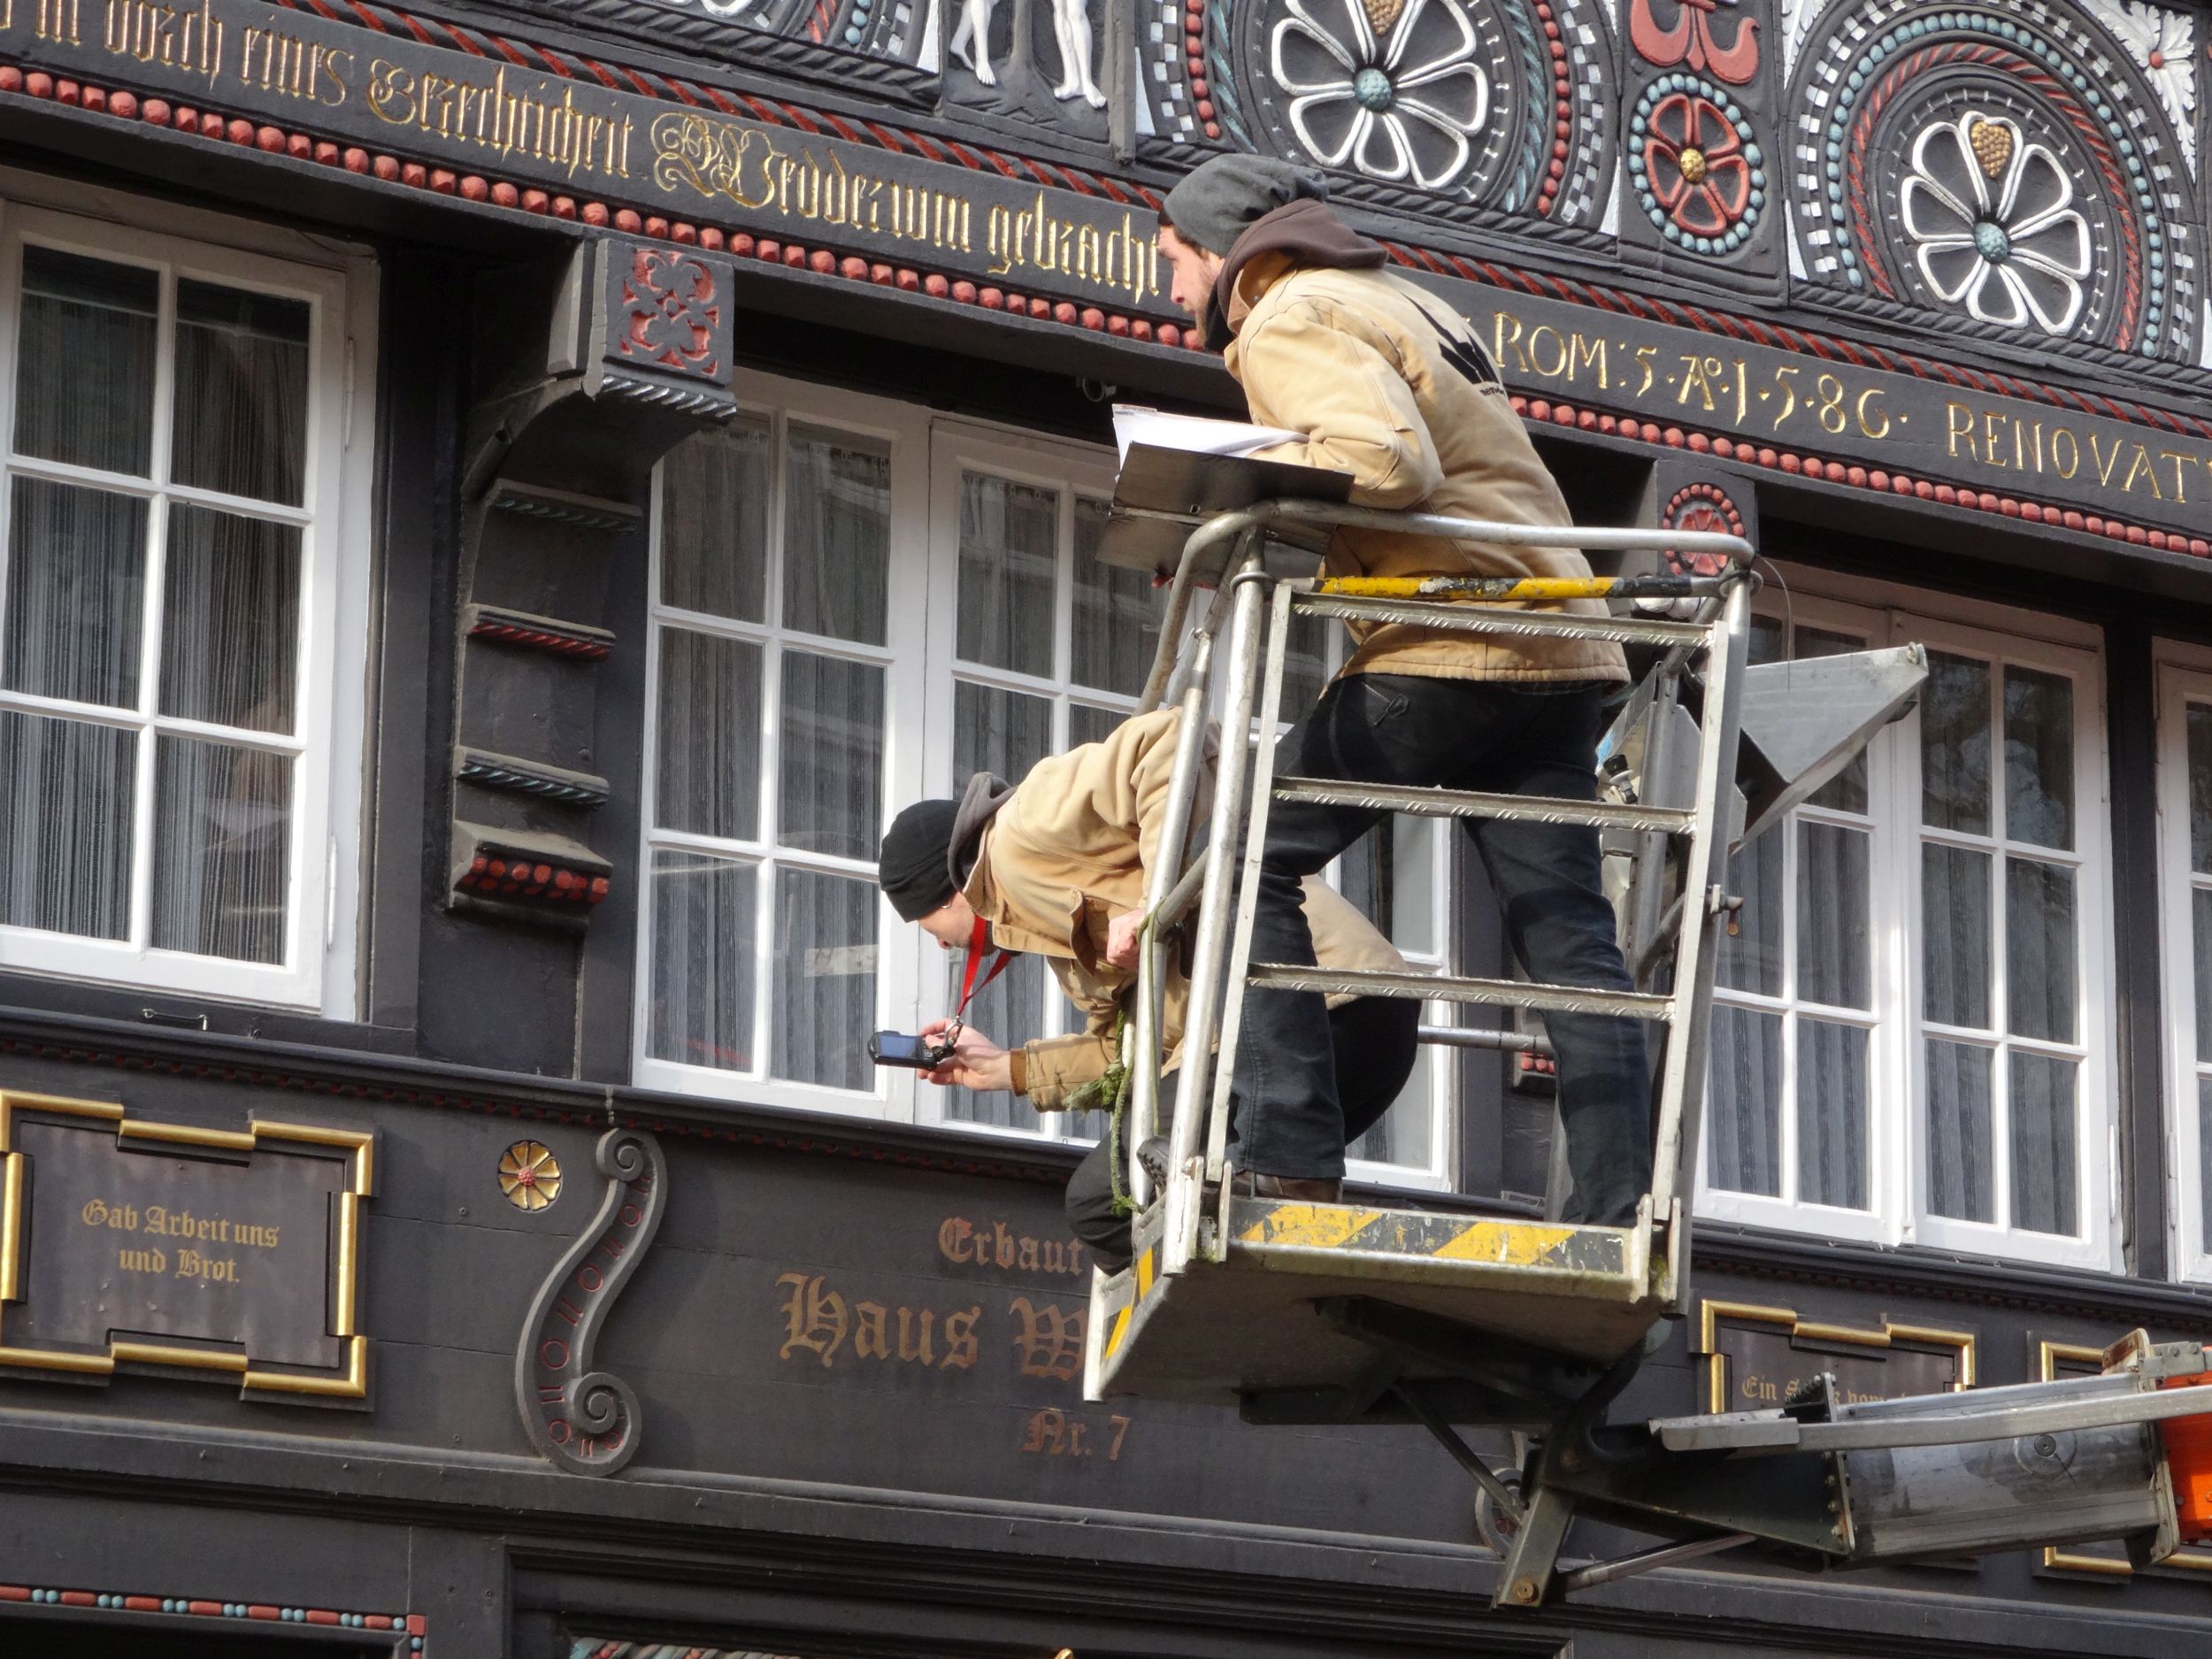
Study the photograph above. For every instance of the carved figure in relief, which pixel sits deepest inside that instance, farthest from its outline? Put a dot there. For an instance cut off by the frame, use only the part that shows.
(1071, 33)
(970, 42)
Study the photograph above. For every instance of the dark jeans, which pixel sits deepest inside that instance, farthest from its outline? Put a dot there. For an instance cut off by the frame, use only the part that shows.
(1463, 735)
(1374, 1044)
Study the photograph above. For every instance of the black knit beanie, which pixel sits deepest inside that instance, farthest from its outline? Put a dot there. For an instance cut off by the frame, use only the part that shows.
(914, 867)
(1219, 201)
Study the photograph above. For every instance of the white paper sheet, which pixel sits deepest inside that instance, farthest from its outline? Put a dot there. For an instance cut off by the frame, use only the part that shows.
(1135, 424)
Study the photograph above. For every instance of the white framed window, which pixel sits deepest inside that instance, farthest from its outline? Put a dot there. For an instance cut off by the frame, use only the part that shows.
(788, 606)
(181, 612)
(1913, 1026)
(2184, 863)
(855, 606)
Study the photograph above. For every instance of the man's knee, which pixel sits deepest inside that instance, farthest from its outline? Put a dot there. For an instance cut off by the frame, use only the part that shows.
(1091, 1217)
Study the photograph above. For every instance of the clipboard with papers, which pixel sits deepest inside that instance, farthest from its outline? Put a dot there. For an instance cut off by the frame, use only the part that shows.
(1179, 470)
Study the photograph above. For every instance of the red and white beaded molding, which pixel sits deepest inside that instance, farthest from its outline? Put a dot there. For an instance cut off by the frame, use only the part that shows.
(259, 1612)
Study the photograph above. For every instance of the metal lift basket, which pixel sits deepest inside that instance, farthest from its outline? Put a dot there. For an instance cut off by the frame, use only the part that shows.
(1263, 1302)
(1302, 1312)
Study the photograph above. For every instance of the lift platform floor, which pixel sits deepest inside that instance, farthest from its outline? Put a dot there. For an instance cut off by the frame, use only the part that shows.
(1221, 1331)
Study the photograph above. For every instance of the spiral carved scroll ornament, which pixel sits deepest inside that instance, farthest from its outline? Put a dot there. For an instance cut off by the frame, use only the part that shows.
(586, 1420)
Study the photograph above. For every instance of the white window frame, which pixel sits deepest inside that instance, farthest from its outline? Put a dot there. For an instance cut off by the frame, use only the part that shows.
(319, 973)
(1877, 1222)
(1069, 470)
(902, 428)
(927, 456)
(1892, 614)
(2184, 677)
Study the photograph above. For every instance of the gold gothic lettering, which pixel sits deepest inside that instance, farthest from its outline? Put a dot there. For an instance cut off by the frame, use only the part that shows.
(561, 133)
(189, 38)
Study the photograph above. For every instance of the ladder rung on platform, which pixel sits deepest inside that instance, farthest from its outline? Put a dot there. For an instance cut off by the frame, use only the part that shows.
(1475, 803)
(1488, 619)
(1556, 999)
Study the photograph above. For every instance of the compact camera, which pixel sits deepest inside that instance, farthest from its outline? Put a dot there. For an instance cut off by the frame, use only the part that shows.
(896, 1047)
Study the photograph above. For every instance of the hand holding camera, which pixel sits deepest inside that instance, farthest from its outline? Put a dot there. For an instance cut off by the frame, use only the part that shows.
(974, 1062)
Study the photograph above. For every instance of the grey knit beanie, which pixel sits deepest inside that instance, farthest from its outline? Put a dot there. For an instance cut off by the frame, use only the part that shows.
(1218, 202)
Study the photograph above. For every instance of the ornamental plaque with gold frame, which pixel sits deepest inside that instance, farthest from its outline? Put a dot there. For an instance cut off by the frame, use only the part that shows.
(129, 1244)
(1756, 1356)
(2054, 1360)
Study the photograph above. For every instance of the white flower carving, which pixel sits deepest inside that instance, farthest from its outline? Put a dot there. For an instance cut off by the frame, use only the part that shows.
(1397, 104)
(1993, 218)
(2159, 39)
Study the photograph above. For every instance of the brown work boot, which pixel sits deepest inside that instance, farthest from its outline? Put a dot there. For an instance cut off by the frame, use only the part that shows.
(1312, 1190)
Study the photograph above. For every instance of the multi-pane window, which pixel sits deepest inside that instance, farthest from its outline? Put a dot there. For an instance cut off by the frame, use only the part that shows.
(774, 663)
(2184, 794)
(1047, 647)
(855, 607)
(170, 476)
(1790, 1115)
(1910, 1026)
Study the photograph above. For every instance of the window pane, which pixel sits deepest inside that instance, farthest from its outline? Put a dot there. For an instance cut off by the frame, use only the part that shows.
(2200, 787)
(1751, 954)
(1743, 1128)
(1004, 732)
(1010, 1011)
(222, 837)
(1834, 961)
(1116, 612)
(1412, 910)
(830, 796)
(1845, 792)
(1010, 542)
(84, 380)
(66, 795)
(240, 393)
(2039, 757)
(1954, 744)
(825, 981)
(1959, 1143)
(1831, 1111)
(1305, 666)
(714, 522)
(703, 936)
(836, 535)
(1401, 1134)
(2039, 997)
(2200, 923)
(1766, 641)
(1086, 725)
(708, 732)
(2042, 1142)
(2204, 1145)
(76, 589)
(1955, 916)
(230, 619)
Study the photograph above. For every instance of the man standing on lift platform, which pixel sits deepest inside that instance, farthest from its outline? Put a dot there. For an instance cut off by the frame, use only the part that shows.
(1392, 388)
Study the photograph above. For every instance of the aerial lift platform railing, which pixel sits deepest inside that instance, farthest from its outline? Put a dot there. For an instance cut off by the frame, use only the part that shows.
(1345, 1313)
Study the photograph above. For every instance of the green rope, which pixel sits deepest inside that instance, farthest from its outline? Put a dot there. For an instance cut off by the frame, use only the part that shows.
(1108, 1092)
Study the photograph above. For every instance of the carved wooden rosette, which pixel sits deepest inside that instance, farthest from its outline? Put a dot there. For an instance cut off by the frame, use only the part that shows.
(585, 1420)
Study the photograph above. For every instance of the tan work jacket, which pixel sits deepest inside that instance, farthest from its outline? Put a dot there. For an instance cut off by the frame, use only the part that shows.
(1069, 851)
(1354, 360)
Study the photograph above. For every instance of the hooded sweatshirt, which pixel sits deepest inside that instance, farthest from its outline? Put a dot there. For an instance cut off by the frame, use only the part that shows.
(1391, 386)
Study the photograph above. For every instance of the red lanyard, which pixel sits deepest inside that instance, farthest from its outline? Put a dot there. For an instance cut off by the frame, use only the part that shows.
(969, 986)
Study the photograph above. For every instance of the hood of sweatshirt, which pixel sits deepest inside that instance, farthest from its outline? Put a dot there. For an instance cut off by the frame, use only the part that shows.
(1305, 232)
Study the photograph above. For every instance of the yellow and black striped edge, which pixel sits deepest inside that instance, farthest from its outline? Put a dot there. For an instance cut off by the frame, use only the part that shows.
(1142, 1276)
(1591, 1252)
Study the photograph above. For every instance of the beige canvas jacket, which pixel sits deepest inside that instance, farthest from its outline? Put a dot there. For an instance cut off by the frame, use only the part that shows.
(1070, 851)
(1356, 360)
